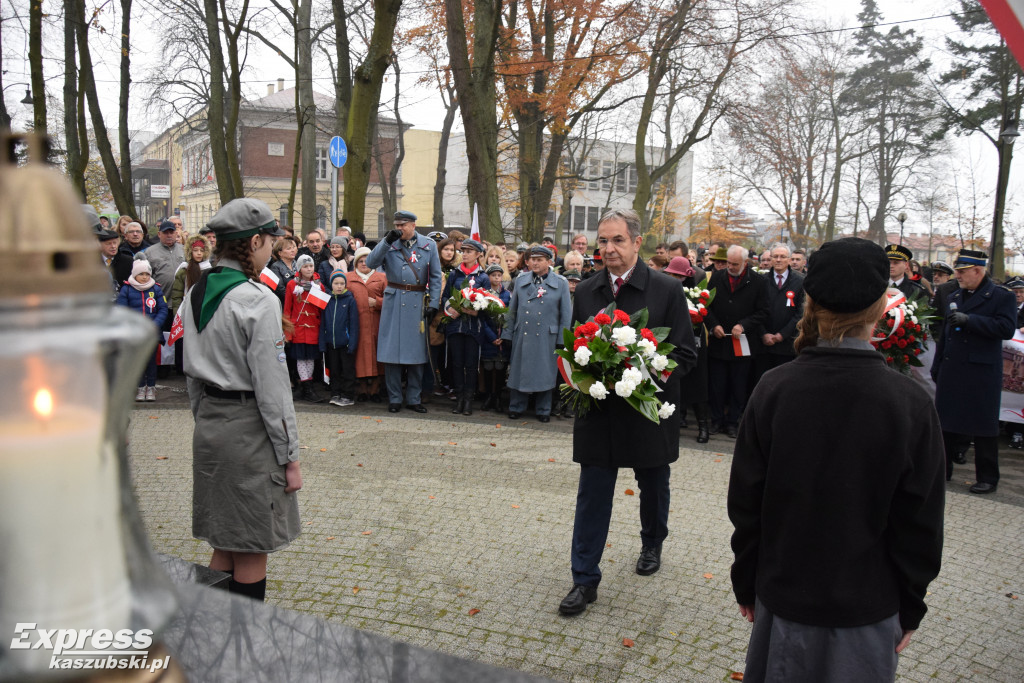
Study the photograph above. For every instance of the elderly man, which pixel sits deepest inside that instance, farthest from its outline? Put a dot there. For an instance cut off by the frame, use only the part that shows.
(941, 273)
(968, 367)
(580, 243)
(785, 306)
(411, 298)
(133, 243)
(614, 435)
(899, 271)
(210, 235)
(315, 248)
(538, 309)
(738, 311)
(166, 255)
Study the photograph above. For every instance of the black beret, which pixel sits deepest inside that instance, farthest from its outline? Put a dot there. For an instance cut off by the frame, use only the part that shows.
(847, 275)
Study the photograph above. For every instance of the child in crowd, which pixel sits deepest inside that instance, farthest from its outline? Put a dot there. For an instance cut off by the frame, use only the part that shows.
(144, 295)
(493, 355)
(305, 316)
(339, 337)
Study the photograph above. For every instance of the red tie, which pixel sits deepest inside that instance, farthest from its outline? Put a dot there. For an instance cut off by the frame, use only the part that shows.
(618, 285)
(780, 280)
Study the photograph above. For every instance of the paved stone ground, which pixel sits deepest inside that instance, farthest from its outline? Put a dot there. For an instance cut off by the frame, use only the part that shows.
(411, 522)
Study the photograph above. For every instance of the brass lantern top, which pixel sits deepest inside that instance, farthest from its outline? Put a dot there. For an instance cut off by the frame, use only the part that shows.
(46, 246)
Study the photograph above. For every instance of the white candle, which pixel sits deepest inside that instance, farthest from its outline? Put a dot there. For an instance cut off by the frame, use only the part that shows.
(63, 562)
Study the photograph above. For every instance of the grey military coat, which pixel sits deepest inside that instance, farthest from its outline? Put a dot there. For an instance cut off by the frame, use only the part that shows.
(536, 317)
(403, 335)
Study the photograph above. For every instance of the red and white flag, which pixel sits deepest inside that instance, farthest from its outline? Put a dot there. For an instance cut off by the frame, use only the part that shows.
(177, 329)
(1007, 16)
(474, 231)
(740, 346)
(270, 278)
(318, 298)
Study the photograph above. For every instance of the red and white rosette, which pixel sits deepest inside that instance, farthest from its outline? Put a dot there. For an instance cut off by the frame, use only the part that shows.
(790, 295)
(892, 305)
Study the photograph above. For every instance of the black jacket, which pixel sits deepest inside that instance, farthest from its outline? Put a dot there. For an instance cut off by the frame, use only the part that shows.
(613, 433)
(121, 265)
(911, 289)
(837, 492)
(782, 317)
(747, 306)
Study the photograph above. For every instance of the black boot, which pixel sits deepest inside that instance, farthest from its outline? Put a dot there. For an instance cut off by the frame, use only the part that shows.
(467, 402)
(457, 408)
(489, 403)
(703, 432)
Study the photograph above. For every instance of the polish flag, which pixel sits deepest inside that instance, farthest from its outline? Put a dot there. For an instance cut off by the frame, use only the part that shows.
(270, 278)
(1007, 17)
(318, 298)
(177, 329)
(740, 346)
(474, 231)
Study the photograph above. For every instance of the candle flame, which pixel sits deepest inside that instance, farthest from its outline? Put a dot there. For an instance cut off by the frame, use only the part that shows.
(43, 403)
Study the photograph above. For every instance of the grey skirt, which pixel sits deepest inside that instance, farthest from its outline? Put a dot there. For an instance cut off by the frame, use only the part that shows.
(783, 651)
(238, 498)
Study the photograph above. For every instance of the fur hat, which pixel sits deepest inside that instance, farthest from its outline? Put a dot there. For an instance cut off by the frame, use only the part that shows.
(193, 240)
(141, 266)
(360, 253)
(847, 275)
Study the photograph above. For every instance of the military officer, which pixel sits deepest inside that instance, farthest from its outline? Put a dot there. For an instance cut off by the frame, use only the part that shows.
(540, 307)
(413, 268)
(899, 271)
(968, 366)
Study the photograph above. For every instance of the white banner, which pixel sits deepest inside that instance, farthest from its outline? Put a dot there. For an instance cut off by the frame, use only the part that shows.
(1012, 404)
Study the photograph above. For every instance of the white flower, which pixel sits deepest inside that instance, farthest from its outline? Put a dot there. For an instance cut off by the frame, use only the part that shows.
(913, 319)
(582, 356)
(666, 410)
(480, 304)
(659, 363)
(624, 336)
(633, 376)
(598, 391)
(647, 347)
(624, 388)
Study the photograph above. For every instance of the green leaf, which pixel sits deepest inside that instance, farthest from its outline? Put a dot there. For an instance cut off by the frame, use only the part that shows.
(639, 320)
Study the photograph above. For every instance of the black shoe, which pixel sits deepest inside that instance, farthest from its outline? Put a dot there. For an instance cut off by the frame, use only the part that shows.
(467, 406)
(730, 431)
(513, 415)
(960, 457)
(544, 418)
(716, 428)
(649, 561)
(361, 398)
(457, 408)
(489, 404)
(577, 600)
(311, 395)
(376, 398)
(417, 408)
(702, 431)
(983, 487)
(394, 407)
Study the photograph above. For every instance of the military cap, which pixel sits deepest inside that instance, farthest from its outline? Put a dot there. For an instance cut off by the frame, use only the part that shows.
(942, 267)
(167, 226)
(437, 235)
(539, 250)
(522, 247)
(898, 252)
(847, 275)
(970, 257)
(573, 275)
(92, 218)
(494, 268)
(597, 254)
(473, 244)
(720, 255)
(1015, 283)
(244, 217)
(404, 216)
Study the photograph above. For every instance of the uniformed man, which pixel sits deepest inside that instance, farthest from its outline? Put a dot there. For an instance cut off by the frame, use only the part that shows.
(899, 265)
(540, 307)
(968, 367)
(413, 268)
(941, 272)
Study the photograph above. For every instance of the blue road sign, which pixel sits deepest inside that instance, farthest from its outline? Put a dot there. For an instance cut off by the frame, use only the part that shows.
(338, 152)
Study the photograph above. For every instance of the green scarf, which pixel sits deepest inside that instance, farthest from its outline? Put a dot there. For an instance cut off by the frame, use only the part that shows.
(218, 284)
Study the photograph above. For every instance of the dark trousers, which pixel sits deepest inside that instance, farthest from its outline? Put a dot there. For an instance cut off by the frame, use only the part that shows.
(342, 367)
(986, 455)
(464, 358)
(148, 378)
(594, 513)
(728, 388)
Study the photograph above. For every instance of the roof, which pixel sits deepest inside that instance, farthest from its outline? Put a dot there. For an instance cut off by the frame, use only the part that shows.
(284, 100)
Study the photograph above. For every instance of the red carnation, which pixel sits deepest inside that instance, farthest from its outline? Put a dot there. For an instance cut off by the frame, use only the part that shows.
(622, 316)
(917, 352)
(917, 328)
(902, 343)
(887, 345)
(695, 317)
(587, 330)
(704, 296)
(622, 349)
(911, 339)
(580, 343)
(602, 319)
(900, 332)
(645, 333)
(888, 359)
(906, 358)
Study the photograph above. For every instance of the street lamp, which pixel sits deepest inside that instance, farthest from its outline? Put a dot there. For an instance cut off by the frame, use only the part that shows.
(902, 218)
(27, 100)
(1007, 137)
(568, 226)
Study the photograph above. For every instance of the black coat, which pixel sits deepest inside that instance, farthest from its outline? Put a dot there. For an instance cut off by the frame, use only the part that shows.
(747, 306)
(121, 265)
(782, 318)
(912, 289)
(613, 433)
(968, 365)
(837, 492)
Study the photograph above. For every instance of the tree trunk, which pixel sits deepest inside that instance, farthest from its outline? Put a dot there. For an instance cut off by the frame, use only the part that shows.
(442, 160)
(295, 163)
(361, 129)
(343, 76)
(476, 87)
(35, 63)
(215, 111)
(124, 140)
(123, 198)
(5, 117)
(307, 112)
(997, 259)
(76, 160)
(234, 99)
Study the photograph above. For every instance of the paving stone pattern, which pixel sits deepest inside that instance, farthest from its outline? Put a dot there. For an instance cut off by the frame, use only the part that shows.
(411, 522)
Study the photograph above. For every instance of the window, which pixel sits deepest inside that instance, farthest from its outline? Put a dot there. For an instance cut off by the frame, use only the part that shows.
(321, 216)
(634, 178)
(549, 220)
(593, 217)
(607, 170)
(579, 218)
(621, 177)
(323, 164)
(594, 173)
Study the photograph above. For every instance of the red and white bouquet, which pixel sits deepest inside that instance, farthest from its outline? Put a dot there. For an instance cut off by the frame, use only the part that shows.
(480, 300)
(698, 299)
(901, 335)
(614, 351)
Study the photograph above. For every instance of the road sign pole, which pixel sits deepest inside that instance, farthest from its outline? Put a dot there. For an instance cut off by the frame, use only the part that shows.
(334, 201)
(337, 151)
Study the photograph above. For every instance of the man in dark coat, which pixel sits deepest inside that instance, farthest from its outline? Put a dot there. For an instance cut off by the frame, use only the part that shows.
(785, 304)
(613, 434)
(899, 271)
(968, 366)
(738, 311)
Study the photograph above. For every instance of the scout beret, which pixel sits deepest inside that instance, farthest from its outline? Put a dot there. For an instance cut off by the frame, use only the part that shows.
(847, 275)
(573, 275)
(539, 250)
(969, 257)
(494, 268)
(244, 217)
(942, 267)
(473, 244)
(404, 216)
(898, 252)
